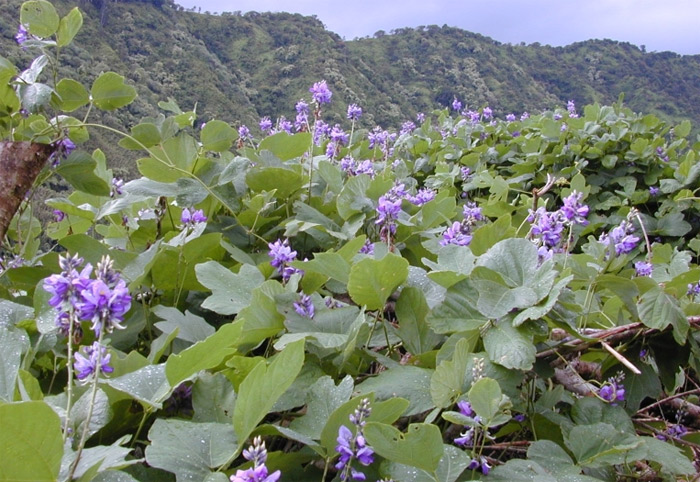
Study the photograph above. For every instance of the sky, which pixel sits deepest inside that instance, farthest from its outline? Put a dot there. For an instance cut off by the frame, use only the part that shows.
(656, 24)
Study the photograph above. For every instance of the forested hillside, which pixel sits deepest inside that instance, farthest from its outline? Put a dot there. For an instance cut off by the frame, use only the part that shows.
(240, 67)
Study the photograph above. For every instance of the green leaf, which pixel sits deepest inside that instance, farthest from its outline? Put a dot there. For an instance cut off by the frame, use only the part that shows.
(203, 355)
(190, 450)
(192, 328)
(35, 96)
(71, 95)
(218, 136)
(324, 398)
(448, 379)
(353, 198)
(148, 385)
(68, 27)
(286, 147)
(600, 444)
(486, 398)
(519, 470)
(213, 398)
(421, 446)
(30, 442)
(411, 311)
(231, 292)
(509, 346)
(263, 386)
(453, 462)
(79, 170)
(458, 311)
(11, 343)
(284, 181)
(658, 309)
(109, 91)
(669, 457)
(144, 135)
(40, 18)
(261, 318)
(411, 383)
(372, 281)
(683, 129)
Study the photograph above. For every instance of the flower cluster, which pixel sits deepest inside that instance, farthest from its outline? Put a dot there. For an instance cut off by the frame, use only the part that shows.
(320, 93)
(103, 301)
(621, 238)
(662, 154)
(571, 109)
(305, 306)
(548, 228)
(354, 112)
(694, 289)
(674, 431)
(22, 35)
(643, 268)
(282, 255)
(96, 361)
(190, 217)
(613, 390)
(354, 447)
(62, 149)
(258, 472)
(117, 187)
(460, 233)
(466, 439)
(381, 138)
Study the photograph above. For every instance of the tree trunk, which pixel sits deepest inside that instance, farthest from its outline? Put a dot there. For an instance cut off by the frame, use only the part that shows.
(20, 164)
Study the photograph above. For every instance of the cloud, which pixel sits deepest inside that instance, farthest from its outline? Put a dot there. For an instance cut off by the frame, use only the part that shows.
(658, 25)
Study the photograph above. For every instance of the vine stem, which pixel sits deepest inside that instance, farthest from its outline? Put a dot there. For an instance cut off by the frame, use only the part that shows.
(69, 387)
(91, 408)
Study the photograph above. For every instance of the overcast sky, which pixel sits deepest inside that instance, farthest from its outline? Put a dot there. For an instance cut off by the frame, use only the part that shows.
(657, 24)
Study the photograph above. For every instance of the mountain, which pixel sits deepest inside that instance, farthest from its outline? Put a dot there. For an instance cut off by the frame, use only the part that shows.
(238, 68)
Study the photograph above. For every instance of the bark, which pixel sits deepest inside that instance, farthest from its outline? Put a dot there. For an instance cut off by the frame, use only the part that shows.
(20, 164)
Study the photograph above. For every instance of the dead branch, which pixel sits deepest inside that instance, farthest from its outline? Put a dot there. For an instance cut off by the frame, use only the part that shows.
(20, 164)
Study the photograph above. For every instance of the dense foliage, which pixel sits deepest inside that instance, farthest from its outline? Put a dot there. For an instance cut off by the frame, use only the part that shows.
(262, 64)
(466, 298)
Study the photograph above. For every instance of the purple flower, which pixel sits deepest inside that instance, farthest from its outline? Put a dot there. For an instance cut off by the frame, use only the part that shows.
(613, 390)
(338, 135)
(548, 227)
(117, 185)
(472, 213)
(621, 237)
(305, 306)
(22, 35)
(388, 209)
(244, 132)
(487, 112)
(423, 196)
(259, 472)
(320, 93)
(354, 447)
(456, 105)
(62, 149)
(354, 112)
(456, 234)
(192, 217)
(573, 210)
(265, 124)
(58, 215)
(643, 268)
(694, 289)
(510, 117)
(302, 107)
(420, 117)
(407, 127)
(365, 167)
(571, 108)
(103, 306)
(654, 191)
(465, 408)
(283, 125)
(465, 173)
(524, 116)
(95, 362)
(474, 116)
(321, 129)
(367, 248)
(281, 255)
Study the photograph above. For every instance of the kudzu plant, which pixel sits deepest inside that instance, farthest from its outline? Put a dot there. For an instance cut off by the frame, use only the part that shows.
(475, 296)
